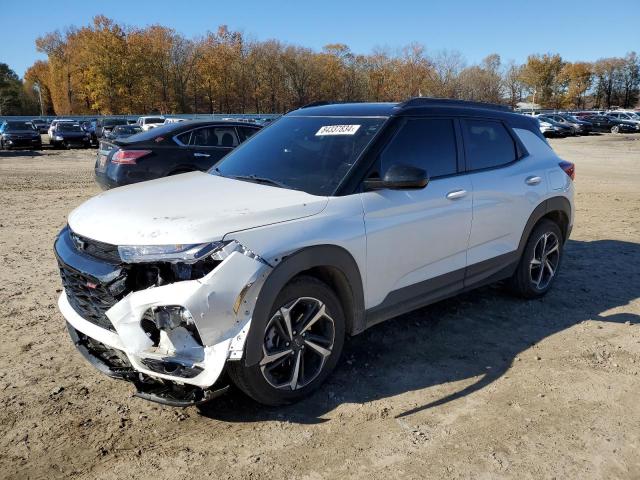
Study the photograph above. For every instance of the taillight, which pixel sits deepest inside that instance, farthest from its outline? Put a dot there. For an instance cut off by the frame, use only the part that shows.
(569, 168)
(128, 157)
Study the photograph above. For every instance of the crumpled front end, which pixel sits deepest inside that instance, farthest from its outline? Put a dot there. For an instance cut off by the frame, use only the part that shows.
(168, 332)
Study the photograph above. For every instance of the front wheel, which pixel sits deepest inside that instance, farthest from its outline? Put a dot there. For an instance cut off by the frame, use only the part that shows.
(615, 129)
(540, 261)
(301, 345)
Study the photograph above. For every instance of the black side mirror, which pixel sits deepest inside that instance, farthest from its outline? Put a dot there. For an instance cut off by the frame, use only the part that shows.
(399, 177)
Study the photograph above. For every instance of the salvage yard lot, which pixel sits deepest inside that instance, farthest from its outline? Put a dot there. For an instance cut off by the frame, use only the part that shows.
(480, 386)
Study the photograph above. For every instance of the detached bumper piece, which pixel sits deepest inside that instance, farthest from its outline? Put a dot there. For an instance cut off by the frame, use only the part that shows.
(114, 363)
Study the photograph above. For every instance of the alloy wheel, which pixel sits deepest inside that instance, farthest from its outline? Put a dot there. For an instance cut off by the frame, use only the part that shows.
(546, 257)
(298, 340)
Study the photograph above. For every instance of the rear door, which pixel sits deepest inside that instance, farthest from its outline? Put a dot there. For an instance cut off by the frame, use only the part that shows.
(417, 239)
(507, 186)
(207, 145)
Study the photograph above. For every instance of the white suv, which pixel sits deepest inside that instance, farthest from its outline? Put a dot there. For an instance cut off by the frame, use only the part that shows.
(147, 123)
(332, 219)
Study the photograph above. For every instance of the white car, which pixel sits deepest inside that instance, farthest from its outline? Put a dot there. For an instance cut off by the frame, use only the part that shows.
(147, 123)
(329, 221)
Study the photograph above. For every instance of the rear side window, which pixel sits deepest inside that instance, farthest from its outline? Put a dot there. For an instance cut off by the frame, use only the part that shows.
(246, 132)
(488, 144)
(429, 144)
(214, 137)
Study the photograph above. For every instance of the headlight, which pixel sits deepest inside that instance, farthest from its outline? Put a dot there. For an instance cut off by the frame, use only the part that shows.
(168, 253)
(187, 254)
(58, 137)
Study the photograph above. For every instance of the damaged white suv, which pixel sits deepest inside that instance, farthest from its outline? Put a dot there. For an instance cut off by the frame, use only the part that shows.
(332, 219)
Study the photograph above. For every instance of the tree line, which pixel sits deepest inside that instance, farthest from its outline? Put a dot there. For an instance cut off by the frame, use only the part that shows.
(109, 68)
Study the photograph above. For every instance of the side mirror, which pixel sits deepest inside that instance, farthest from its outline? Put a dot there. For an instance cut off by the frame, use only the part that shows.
(399, 177)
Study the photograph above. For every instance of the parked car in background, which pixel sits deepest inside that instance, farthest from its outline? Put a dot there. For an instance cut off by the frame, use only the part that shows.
(104, 125)
(560, 129)
(54, 124)
(19, 134)
(122, 131)
(603, 123)
(168, 150)
(580, 127)
(550, 130)
(41, 125)
(148, 123)
(624, 116)
(174, 120)
(332, 220)
(68, 135)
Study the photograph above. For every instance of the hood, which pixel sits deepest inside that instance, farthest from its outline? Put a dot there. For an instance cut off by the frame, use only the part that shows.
(189, 208)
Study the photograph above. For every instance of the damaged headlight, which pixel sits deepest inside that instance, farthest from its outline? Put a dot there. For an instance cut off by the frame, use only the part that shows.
(186, 254)
(168, 253)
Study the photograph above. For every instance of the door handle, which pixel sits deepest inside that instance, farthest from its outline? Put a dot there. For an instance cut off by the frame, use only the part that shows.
(533, 180)
(198, 154)
(454, 195)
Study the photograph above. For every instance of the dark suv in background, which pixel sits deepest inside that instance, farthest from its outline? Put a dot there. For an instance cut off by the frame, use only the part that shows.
(104, 125)
(19, 134)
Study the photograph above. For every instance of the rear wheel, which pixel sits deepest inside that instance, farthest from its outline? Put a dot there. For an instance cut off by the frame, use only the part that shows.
(301, 345)
(540, 261)
(615, 129)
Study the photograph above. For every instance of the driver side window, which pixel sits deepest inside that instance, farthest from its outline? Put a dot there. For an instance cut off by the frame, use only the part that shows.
(424, 143)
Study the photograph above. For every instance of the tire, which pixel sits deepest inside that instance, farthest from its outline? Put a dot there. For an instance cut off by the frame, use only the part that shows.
(533, 277)
(280, 382)
(615, 129)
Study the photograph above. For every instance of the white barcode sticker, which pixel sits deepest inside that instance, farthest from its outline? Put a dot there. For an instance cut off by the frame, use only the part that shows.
(337, 130)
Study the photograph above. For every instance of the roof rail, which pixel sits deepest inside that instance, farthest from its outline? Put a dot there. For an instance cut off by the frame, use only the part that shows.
(450, 102)
(316, 104)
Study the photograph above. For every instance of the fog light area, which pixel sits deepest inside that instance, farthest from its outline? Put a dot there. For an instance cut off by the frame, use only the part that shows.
(176, 342)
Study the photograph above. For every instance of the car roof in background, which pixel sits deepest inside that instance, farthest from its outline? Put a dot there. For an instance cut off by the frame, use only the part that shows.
(179, 127)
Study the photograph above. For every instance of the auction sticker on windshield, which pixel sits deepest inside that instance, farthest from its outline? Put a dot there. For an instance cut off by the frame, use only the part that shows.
(337, 130)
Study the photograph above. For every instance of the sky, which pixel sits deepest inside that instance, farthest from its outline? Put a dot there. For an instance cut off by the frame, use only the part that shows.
(577, 30)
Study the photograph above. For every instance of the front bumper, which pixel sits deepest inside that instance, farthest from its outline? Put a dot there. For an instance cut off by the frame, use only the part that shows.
(221, 304)
(23, 143)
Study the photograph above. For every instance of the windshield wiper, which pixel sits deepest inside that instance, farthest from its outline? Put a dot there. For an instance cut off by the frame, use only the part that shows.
(266, 181)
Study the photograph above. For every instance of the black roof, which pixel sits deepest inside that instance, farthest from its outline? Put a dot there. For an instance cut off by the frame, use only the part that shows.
(417, 106)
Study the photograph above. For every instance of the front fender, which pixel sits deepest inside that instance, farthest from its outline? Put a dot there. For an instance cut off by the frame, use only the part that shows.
(292, 265)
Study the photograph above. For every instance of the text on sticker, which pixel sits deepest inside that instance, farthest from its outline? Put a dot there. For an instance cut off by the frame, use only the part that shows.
(337, 130)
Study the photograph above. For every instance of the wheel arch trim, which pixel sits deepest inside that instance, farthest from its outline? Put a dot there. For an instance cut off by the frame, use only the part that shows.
(308, 258)
(554, 204)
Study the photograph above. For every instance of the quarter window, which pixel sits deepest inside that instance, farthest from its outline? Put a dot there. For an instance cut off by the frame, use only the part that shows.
(488, 144)
(429, 144)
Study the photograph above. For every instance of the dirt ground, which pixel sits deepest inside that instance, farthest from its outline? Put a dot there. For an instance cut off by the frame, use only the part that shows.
(480, 386)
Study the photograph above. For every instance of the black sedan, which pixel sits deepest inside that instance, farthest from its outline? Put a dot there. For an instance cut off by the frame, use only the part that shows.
(602, 123)
(17, 134)
(68, 135)
(168, 150)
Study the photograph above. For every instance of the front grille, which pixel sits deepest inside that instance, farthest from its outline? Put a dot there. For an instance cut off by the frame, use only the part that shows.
(103, 251)
(88, 298)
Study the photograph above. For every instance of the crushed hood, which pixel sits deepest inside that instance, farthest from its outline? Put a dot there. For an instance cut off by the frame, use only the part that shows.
(189, 208)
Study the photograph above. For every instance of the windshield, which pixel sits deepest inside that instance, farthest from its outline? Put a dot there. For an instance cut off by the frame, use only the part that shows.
(153, 120)
(108, 122)
(312, 154)
(17, 126)
(68, 127)
(127, 129)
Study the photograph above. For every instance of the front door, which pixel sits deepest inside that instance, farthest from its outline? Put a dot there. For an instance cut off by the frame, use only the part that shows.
(417, 239)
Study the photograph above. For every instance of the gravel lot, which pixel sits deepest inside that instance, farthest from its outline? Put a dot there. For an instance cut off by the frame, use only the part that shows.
(480, 386)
